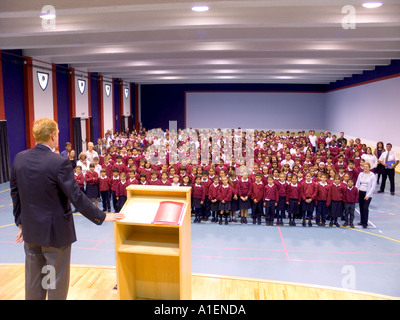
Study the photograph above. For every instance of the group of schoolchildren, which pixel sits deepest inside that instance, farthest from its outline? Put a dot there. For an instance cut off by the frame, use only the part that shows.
(297, 184)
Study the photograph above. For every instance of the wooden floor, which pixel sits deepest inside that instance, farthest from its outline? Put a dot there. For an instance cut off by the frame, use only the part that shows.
(96, 283)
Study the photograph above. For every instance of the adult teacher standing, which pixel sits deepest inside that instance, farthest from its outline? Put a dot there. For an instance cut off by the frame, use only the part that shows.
(42, 185)
(389, 160)
(366, 183)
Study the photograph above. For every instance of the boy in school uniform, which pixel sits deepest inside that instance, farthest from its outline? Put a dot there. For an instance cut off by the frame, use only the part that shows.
(133, 177)
(293, 199)
(143, 180)
(104, 188)
(257, 196)
(119, 164)
(114, 183)
(164, 179)
(121, 191)
(350, 198)
(271, 199)
(154, 181)
(309, 193)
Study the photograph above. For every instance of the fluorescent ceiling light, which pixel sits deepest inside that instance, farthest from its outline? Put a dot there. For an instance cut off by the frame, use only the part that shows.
(200, 8)
(371, 5)
(48, 16)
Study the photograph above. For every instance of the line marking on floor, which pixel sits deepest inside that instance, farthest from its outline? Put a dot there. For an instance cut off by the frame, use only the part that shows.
(283, 244)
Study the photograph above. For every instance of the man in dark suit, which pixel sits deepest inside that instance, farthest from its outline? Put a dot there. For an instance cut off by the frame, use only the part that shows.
(42, 186)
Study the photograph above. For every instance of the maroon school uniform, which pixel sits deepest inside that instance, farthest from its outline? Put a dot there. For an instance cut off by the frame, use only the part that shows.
(257, 191)
(114, 182)
(165, 183)
(120, 166)
(244, 188)
(282, 188)
(155, 182)
(198, 192)
(350, 195)
(308, 190)
(133, 181)
(322, 192)
(80, 179)
(213, 191)
(104, 184)
(91, 178)
(206, 184)
(353, 174)
(225, 193)
(293, 192)
(108, 168)
(271, 192)
(121, 189)
(335, 193)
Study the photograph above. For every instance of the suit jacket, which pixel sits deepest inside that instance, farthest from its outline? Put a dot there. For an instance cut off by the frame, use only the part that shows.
(42, 185)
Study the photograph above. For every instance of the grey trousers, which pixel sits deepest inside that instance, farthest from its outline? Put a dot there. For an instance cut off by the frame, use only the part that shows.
(47, 271)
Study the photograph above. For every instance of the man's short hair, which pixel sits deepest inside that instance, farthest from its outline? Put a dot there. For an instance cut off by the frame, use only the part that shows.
(43, 129)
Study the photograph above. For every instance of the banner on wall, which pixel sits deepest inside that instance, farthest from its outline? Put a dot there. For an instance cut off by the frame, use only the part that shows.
(43, 79)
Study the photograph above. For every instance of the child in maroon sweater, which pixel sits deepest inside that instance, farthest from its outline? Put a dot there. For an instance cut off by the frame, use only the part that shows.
(350, 198)
(309, 193)
(198, 196)
(213, 197)
(335, 201)
(282, 190)
(257, 196)
(80, 179)
(244, 193)
(321, 198)
(271, 199)
(121, 191)
(293, 198)
(225, 194)
(114, 180)
(104, 188)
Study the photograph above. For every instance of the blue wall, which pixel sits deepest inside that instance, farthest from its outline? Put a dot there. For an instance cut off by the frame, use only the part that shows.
(14, 101)
(94, 98)
(63, 113)
(162, 103)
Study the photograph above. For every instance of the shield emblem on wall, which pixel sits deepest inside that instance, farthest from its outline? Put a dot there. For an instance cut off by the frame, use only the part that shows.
(43, 79)
(108, 90)
(126, 91)
(81, 85)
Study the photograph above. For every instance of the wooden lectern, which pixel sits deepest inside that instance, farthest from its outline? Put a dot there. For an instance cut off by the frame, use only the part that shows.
(153, 260)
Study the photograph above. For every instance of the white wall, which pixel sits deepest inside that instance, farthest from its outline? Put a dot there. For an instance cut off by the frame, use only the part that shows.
(126, 100)
(255, 110)
(42, 99)
(370, 112)
(81, 100)
(108, 107)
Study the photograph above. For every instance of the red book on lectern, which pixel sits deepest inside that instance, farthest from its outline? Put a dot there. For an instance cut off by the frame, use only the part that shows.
(169, 212)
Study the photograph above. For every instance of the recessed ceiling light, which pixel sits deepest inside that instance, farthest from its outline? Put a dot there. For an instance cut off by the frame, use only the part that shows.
(200, 8)
(371, 5)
